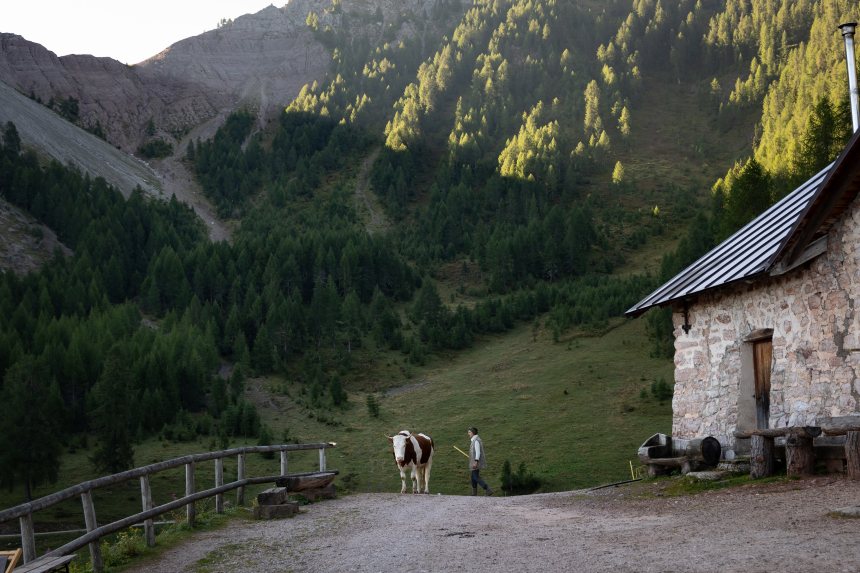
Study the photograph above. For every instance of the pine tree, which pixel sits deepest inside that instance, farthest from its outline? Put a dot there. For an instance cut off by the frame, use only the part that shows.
(30, 427)
(110, 407)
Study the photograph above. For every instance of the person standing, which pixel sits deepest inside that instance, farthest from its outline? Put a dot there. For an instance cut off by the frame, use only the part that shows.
(477, 462)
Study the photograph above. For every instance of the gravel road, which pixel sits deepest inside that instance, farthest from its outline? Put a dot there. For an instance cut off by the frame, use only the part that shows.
(786, 527)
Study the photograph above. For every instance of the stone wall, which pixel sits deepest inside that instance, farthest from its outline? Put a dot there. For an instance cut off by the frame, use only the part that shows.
(816, 343)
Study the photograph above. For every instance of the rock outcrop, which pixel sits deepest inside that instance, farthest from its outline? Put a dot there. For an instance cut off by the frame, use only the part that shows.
(117, 99)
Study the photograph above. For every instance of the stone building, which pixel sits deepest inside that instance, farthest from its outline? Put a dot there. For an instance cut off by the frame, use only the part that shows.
(767, 324)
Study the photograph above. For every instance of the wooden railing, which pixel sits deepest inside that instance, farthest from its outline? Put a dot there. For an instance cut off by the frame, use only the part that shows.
(24, 512)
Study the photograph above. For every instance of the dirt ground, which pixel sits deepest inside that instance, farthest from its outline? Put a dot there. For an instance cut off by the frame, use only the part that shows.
(786, 527)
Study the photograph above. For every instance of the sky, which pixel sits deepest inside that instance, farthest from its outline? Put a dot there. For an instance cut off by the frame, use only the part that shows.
(126, 31)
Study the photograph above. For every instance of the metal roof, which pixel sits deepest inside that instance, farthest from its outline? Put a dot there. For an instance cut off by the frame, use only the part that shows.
(781, 232)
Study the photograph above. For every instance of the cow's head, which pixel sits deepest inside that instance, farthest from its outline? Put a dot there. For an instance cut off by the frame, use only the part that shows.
(398, 443)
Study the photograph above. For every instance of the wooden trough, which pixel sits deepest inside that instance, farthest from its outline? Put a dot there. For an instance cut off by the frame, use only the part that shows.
(661, 454)
(274, 503)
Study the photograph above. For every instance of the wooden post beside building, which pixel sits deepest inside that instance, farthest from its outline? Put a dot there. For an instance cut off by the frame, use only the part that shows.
(852, 453)
(761, 456)
(799, 455)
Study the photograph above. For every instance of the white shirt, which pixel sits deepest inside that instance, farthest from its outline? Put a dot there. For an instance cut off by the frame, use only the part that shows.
(477, 447)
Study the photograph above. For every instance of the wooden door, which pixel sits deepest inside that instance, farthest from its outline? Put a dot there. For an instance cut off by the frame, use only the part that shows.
(762, 358)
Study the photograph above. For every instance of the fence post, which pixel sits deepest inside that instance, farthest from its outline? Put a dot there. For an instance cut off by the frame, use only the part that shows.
(28, 537)
(240, 475)
(219, 481)
(189, 490)
(92, 523)
(283, 462)
(322, 459)
(146, 497)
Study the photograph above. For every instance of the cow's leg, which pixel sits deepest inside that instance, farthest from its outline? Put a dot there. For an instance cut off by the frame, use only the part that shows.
(415, 479)
(427, 475)
(402, 481)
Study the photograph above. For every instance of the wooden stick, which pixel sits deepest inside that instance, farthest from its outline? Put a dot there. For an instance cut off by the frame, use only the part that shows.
(461, 451)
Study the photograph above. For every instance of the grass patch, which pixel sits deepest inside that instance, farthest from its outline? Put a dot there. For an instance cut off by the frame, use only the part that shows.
(685, 485)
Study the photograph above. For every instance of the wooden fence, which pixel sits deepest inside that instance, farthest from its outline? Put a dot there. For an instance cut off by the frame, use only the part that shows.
(24, 512)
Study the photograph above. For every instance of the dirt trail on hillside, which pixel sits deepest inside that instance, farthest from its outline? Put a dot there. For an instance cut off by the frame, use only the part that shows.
(368, 205)
(784, 527)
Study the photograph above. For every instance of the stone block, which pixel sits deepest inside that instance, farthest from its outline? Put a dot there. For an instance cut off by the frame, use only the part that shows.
(287, 509)
(272, 496)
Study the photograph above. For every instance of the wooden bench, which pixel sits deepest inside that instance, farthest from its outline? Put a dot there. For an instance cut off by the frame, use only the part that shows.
(799, 452)
(46, 564)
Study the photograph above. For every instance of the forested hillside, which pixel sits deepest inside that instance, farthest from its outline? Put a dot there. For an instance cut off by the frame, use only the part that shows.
(537, 159)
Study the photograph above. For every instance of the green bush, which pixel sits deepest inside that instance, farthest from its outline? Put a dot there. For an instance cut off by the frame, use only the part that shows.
(520, 482)
(155, 148)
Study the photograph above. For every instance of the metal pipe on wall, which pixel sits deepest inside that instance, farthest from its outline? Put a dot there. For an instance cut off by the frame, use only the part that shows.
(848, 34)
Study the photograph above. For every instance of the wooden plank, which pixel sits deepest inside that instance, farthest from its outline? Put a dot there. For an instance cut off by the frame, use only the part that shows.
(46, 564)
(322, 459)
(809, 431)
(283, 463)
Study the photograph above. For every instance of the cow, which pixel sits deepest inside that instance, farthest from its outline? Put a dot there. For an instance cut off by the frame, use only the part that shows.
(415, 451)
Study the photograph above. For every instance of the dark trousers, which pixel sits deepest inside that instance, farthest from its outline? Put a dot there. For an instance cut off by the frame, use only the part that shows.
(476, 479)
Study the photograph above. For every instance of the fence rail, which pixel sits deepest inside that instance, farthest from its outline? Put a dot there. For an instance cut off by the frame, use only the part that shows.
(24, 512)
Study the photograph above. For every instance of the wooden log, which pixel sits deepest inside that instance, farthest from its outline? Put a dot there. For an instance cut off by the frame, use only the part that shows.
(283, 463)
(92, 524)
(852, 454)
(761, 456)
(190, 510)
(799, 455)
(219, 481)
(809, 431)
(28, 537)
(240, 475)
(300, 483)
(322, 459)
(706, 450)
(146, 497)
(316, 493)
(839, 430)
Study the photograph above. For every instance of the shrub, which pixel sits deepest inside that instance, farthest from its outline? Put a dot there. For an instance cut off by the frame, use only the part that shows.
(520, 482)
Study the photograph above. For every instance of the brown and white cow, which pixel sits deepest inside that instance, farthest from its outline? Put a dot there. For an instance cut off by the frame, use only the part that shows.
(415, 451)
